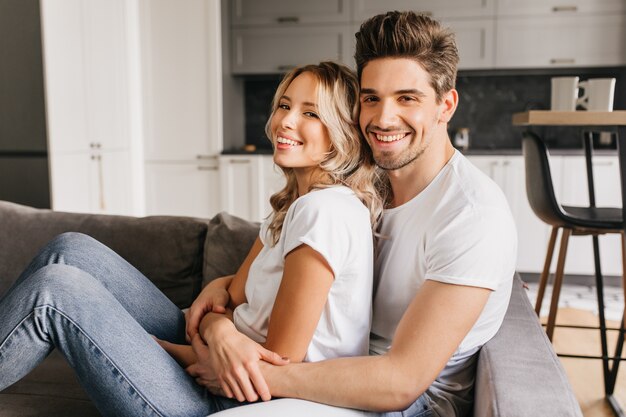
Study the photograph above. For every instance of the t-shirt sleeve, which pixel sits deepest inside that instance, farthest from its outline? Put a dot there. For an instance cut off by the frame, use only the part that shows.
(321, 225)
(477, 247)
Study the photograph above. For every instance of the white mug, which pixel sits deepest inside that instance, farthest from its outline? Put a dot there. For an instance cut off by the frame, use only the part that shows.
(598, 95)
(564, 93)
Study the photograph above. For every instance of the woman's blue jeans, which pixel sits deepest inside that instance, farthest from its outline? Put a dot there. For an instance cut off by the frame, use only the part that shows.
(82, 298)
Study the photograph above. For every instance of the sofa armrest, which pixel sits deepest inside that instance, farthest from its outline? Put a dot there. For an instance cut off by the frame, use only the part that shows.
(518, 373)
(167, 249)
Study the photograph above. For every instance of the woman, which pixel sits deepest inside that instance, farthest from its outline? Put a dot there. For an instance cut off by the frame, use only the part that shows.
(304, 290)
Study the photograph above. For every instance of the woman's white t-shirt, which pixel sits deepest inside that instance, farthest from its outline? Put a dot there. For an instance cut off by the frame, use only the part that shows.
(334, 223)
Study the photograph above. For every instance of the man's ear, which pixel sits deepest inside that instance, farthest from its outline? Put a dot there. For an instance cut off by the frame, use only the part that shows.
(448, 104)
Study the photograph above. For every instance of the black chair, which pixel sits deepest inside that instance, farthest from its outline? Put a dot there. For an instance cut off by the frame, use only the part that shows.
(591, 221)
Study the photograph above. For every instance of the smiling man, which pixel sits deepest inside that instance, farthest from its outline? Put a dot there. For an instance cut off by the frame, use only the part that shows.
(446, 262)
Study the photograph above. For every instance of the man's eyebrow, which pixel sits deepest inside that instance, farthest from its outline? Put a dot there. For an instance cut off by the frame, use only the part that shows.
(413, 91)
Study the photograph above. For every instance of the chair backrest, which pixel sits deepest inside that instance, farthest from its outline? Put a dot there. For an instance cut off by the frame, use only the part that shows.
(539, 189)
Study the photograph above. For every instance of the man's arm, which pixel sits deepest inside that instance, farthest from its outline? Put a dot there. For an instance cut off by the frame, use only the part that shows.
(431, 329)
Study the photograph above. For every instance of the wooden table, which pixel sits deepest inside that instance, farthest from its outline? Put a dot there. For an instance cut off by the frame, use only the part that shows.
(589, 122)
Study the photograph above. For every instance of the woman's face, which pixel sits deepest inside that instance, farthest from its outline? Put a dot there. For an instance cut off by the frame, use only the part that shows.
(299, 137)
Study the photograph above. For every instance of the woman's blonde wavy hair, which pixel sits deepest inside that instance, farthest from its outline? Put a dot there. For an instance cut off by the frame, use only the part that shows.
(350, 161)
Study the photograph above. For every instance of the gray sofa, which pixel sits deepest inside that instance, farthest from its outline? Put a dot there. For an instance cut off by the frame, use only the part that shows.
(518, 373)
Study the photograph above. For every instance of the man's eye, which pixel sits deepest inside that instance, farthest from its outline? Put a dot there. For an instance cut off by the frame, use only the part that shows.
(311, 114)
(406, 98)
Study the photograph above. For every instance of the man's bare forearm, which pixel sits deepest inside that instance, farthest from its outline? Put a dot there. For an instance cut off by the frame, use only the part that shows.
(366, 383)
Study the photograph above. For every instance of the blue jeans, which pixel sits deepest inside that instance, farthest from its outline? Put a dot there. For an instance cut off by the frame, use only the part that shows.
(82, 298)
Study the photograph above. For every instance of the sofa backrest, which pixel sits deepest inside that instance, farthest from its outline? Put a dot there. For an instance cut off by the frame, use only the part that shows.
(168, 250)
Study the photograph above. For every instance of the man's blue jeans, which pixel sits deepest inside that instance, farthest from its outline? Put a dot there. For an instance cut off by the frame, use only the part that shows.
(82, 298)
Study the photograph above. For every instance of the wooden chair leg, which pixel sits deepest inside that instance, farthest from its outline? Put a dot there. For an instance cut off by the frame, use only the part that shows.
(558, 281)
(543, 281)
(623, 264)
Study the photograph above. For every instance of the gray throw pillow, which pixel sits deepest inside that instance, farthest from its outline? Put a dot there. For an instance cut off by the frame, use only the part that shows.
(228, 241)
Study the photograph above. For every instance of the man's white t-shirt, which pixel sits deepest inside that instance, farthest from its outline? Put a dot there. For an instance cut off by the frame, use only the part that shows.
(458, 230)
(336, 224)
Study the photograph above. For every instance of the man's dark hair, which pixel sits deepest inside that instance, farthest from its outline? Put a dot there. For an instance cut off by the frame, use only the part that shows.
(413, 36)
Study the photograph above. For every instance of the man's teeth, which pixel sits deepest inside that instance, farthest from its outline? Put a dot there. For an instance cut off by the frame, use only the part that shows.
(280, 139)
(390, 138)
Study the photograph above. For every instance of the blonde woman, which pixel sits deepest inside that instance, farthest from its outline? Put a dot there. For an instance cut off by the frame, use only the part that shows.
(302, 294)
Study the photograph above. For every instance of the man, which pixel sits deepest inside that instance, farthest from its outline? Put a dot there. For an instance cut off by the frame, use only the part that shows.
(444, 273)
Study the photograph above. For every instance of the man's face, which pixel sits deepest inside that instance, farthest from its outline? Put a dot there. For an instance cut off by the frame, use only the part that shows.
(399, 112)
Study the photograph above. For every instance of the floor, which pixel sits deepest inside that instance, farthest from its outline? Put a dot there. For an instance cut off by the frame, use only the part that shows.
(577, 305)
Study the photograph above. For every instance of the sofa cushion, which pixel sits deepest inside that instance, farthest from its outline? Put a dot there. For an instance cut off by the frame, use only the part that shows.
(228, 241)
(168, 250)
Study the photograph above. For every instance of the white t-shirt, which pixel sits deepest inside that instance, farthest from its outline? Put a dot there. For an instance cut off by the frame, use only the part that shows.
(458, 230)
(335, 223)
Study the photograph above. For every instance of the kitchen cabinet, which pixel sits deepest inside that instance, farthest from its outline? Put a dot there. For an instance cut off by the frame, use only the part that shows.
(561, 41)
(268, 50)
(364, 9)
(267, 12)
(88, 94)
(573, 192)
(182, 76)
(475, 42)
(183, 189)
(558, 7)
(247, 182)
(182, 106)
(93, 182)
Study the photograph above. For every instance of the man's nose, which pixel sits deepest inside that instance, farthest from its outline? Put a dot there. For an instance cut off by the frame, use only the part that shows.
(387, 115)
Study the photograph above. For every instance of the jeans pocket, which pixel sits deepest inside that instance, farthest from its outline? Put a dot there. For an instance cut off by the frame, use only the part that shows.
(420, 408)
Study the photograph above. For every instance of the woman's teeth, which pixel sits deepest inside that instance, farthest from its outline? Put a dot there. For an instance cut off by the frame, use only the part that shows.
(390, 138)
(280, 139)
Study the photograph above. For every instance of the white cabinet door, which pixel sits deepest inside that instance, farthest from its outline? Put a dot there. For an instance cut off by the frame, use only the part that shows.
(364, 9)
(182, 76)
(555, 41)
(264, 50)
(183, 189)
(73, 182)
(475, 42)
(574, 192)
(240, 184)
(92, 182)
(558, 7)
(268, 12)
(86, 71)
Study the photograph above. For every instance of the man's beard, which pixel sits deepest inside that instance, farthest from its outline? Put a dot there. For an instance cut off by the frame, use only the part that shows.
(387, 162)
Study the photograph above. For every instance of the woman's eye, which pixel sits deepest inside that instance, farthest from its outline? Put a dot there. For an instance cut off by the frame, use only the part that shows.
(369, 99)
(311, 114)
(283, 106)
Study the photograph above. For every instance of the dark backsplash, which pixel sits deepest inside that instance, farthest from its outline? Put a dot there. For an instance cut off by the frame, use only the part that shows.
(487, 101)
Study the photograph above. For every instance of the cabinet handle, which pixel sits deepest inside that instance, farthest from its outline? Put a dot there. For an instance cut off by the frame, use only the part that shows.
(285, 67)
(201, 168)
(239, 161)
(205, 157)
(426, 13)
(562, 61)
(288, 19)
(557, 9)
(603, 163)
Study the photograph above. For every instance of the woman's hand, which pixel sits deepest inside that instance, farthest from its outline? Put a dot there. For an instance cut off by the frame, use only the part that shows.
(183, 354)
(229, 365)
(213, 298)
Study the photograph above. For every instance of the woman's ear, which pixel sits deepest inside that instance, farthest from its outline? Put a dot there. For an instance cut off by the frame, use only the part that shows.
(448, 105)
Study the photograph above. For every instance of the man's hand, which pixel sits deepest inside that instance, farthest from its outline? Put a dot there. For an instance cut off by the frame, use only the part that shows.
(213, 298)
(230, 366)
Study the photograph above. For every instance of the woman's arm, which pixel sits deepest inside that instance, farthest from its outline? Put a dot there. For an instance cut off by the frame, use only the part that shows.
(237, 287)
(301, 297)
